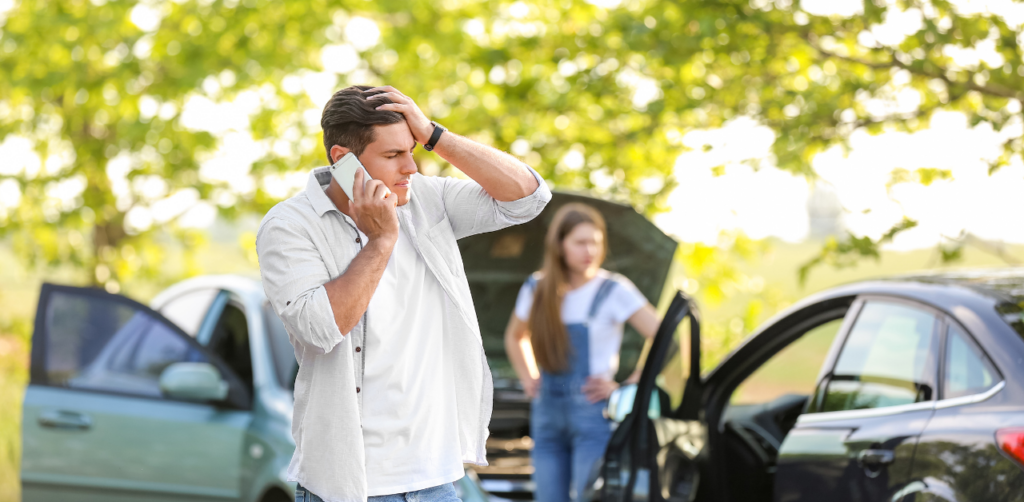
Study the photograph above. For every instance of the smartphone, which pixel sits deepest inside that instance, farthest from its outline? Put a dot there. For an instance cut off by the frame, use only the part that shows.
(344, 172)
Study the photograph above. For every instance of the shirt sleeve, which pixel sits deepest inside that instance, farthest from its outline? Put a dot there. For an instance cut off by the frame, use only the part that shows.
(294, 275)
(625, 299)
(524, 302)
(471, 210)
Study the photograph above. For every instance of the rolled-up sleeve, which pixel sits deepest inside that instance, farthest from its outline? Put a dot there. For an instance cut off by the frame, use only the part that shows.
(471, 210)
(294, 275)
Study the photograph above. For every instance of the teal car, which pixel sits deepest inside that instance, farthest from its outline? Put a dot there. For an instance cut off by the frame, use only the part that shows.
(189, 398)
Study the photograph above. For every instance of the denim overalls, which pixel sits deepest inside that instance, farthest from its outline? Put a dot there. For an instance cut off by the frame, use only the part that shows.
(569, 433)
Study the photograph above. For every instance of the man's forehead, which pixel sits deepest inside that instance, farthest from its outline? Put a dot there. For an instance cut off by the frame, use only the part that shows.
(392, 137)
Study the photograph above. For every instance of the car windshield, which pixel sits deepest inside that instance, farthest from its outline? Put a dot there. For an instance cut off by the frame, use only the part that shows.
(285, 365)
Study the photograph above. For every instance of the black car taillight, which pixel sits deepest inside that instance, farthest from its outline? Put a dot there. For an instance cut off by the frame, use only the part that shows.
(1011, 441)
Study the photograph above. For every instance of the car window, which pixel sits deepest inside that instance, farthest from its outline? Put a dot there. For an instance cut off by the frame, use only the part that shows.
(99, 344)
(967, 370)
(670, 381)
(792, 370)
(888, 359)
(188, 309)
(281, 347)
(230, 341)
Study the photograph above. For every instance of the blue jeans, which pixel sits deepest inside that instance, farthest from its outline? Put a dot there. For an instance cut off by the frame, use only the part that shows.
(442, 493)
(569, 437)
(569, 434)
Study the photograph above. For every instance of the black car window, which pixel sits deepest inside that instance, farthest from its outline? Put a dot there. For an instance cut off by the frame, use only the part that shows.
(285, 365)
(888, 359)
(97, 344)
(967, 370)
(793, 370)
(230, 341)
(670, 381)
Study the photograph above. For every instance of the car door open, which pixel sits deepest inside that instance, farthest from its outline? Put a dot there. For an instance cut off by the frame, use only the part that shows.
(123, 405)
(652, 454)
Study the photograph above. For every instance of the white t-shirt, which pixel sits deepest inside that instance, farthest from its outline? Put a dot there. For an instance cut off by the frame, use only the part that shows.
(606, 327)
(410, 423)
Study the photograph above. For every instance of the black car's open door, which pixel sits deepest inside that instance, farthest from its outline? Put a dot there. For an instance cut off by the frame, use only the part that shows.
(652, 455)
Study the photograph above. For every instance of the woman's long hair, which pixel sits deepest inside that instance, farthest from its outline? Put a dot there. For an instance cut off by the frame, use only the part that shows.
(547, 332)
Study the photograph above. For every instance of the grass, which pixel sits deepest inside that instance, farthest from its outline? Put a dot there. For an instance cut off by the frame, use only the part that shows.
(13, 377)
(793, 370)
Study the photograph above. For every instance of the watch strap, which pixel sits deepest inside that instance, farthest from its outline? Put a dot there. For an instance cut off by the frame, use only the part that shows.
(438, 129)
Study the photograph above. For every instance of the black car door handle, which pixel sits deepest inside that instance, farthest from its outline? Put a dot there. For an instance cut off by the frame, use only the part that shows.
(872, 458)
(64, 420)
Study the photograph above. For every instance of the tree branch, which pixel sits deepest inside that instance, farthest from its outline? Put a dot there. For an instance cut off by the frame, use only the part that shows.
(970, 84)
(994, 248)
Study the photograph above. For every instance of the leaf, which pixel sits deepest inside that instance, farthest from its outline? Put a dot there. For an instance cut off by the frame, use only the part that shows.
(927, 175)
(850, 251)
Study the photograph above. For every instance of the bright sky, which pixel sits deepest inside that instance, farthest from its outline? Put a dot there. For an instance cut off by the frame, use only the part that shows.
(770, 202)
(761, 202)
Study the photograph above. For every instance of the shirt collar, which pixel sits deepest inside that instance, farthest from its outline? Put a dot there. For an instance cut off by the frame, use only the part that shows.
(319, 178)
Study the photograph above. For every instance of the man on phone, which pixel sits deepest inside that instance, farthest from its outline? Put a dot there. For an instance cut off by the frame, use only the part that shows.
(393, 393)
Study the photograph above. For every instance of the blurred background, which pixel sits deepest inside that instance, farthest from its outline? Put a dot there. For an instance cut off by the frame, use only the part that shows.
(787, 145)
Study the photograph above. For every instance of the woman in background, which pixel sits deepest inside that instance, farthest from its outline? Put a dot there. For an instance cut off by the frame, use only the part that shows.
(568, 322)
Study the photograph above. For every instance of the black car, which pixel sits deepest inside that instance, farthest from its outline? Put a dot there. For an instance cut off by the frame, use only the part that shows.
(918, 395)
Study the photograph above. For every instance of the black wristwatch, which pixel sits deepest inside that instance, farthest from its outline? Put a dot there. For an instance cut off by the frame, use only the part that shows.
(438, 129)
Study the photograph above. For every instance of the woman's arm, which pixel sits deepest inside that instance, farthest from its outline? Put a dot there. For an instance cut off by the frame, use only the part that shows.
(520, 354)
(645, 321)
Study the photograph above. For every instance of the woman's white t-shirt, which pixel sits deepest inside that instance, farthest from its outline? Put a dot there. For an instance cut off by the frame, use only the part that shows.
(606, 327)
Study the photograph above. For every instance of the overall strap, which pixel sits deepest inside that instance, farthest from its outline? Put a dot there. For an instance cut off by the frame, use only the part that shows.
(531, 282)
(606, 287)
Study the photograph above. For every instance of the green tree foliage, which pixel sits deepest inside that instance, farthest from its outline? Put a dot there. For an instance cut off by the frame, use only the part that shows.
(846, 253)
(597, 98)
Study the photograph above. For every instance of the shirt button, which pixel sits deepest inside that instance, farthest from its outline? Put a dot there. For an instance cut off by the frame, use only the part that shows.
(357, 390)
(359, 349)
(358, 240)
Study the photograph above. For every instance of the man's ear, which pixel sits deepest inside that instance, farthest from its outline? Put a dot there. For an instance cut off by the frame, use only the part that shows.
(337, 152)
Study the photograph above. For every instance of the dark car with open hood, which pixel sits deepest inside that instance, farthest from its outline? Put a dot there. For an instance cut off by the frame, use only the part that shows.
(496, 265)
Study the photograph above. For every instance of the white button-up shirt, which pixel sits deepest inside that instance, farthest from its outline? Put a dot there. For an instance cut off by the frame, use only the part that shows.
(305, 242)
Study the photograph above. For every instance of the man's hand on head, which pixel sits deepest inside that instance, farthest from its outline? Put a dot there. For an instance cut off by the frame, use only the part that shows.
(419, 124)
(501, 175)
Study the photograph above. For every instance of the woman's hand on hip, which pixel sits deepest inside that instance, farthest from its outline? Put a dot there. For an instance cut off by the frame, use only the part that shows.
(598, 389)
(530, 386)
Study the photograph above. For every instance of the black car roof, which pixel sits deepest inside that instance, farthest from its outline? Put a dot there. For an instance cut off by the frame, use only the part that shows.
(1000, 284)
(977, 289)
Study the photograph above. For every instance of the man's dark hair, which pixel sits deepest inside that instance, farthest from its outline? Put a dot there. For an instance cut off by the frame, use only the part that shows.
(348, 119)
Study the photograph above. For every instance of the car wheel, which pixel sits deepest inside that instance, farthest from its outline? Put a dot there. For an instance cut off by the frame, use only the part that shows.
(275, 495)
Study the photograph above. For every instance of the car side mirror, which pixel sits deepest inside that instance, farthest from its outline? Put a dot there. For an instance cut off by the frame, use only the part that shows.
(620, 404)
(194, 382)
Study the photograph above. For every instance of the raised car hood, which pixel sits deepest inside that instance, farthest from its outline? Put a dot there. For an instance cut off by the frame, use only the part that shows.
(497, 263)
